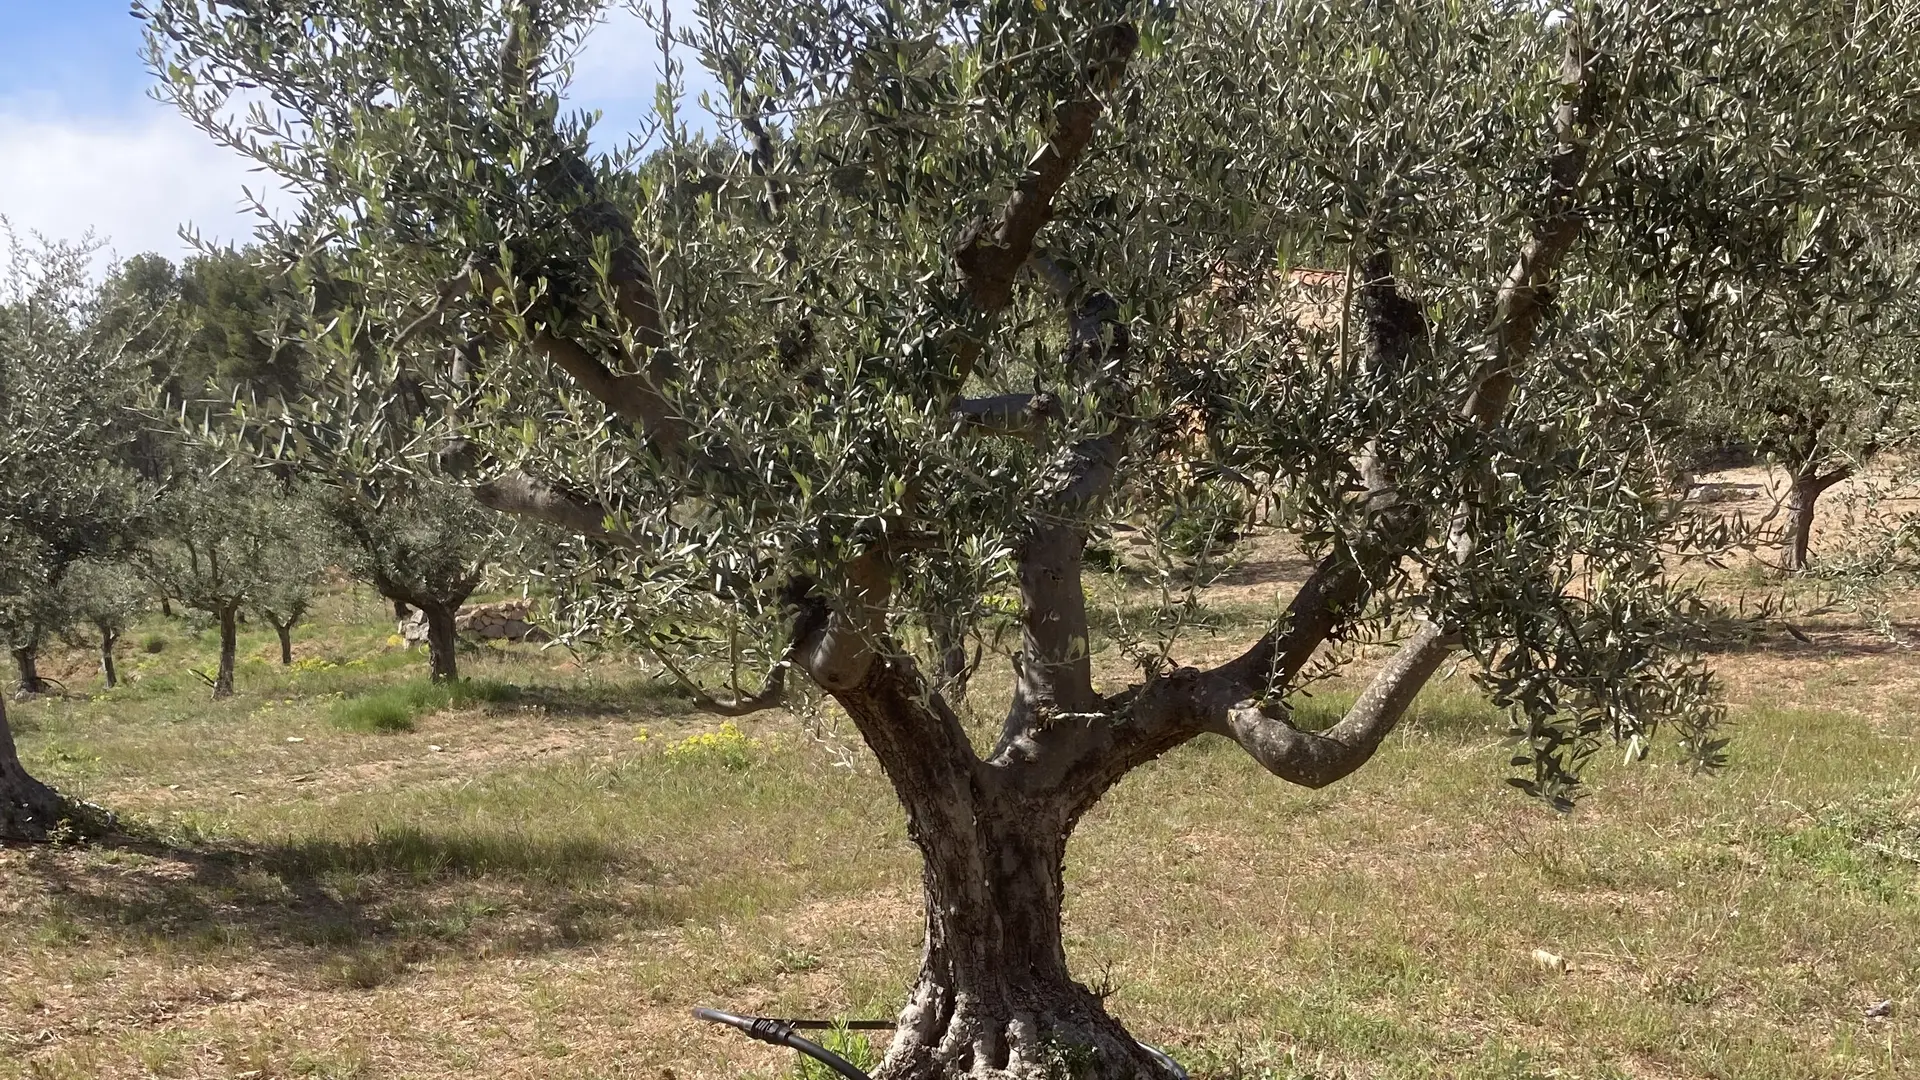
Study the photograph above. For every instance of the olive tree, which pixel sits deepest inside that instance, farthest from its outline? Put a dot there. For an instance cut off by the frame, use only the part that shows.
(105, 596)
(916, 321)
(72, 355)
(67, 373)
(1834, 394)
(229, 536)
(307, 547)
(419, 541)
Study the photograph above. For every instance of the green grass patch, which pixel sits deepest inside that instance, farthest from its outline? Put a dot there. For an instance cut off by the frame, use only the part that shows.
(395, 708)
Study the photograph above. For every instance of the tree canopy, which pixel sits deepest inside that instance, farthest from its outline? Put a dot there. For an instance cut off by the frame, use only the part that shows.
(950, 287)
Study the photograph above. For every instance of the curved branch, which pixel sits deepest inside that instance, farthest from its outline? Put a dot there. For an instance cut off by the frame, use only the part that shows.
(1021, 416)
(772, 694)
(1151, 719)
(1527, 291)
(529, 497)
(632, 397)
(992, 256)
(1316, 759)
(1054, 672)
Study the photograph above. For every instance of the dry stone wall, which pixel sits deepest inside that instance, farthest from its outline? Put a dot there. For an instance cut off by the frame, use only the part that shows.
(508, 620)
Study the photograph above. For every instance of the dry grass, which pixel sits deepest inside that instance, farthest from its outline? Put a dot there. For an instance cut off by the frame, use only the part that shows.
(531, 888)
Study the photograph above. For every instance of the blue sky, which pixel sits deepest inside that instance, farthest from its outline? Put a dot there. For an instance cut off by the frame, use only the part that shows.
(83, 147)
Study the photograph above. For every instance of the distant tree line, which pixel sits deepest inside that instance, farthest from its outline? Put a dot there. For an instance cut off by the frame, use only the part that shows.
(128, 480)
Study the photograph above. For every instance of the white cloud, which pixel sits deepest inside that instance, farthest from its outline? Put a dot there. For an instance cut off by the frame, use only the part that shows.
(620, 60)
(135, 175)
(618, 67)
(133, 180)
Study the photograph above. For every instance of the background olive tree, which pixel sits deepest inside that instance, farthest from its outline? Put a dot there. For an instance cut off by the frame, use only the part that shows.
(70, 370)
(73, 368)
(419, 541)
(103, 597)
(230, 536)
(920, 318)
(1835, 395)
(366, 444)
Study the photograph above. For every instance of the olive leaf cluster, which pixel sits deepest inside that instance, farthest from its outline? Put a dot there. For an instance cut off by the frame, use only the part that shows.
(741, 361)
(71, 369)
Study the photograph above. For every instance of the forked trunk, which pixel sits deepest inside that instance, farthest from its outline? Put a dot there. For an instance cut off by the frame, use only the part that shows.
(27, 660)
(993, 997)
(1808, 486)
(108, 638)
(441, 641)
(29, 809)
(229, 644)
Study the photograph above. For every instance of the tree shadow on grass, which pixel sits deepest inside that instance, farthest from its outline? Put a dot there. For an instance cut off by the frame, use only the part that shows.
(639, 698)
(355, 910)
(1826, 640)
(1268, 569)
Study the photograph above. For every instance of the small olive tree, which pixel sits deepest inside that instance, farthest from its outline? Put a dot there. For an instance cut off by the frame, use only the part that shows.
(284, 598)
(105, 596)
(229, 537)
(1836, 392)
(419, 541)
(913, 327)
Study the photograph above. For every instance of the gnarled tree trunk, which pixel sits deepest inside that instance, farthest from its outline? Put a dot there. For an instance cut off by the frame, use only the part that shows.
(442, 641)
(1808, 485)
(993, 996)
(29, 809)
(229, 644)
(27, 660)
(108, 638)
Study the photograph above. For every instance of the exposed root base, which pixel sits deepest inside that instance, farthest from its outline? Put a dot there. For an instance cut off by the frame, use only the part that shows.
(33, 813)
(1074, 1039)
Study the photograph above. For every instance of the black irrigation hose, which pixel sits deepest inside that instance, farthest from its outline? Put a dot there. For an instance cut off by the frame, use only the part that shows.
(779, 1032)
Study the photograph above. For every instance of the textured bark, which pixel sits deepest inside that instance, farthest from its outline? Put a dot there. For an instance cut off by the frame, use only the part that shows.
(229, 645)
(1317, 758)
(993, 996)
(26, 660)
(108, 638)
(442, 641)
(1808, 486)
(29, 809)
(530, 497)
(286, 643)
